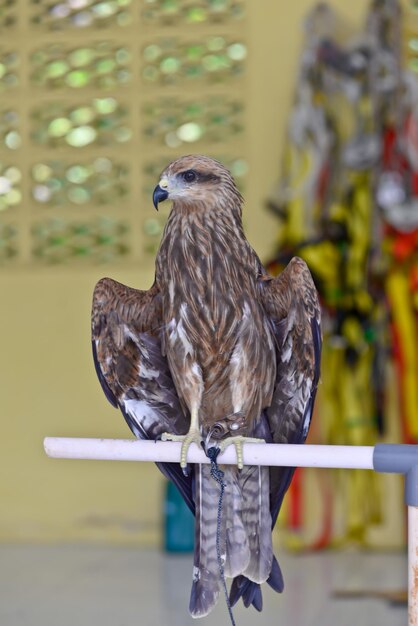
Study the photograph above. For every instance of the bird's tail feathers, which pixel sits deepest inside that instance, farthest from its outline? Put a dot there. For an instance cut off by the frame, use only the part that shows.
(245, 535)
(255, 489)
(250, 592)
(205, 586)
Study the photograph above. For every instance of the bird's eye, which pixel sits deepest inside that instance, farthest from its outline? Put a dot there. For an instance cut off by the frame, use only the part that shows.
(189, 176)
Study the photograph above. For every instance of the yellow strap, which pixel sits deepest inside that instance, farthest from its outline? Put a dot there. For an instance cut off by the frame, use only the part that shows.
(397, 288)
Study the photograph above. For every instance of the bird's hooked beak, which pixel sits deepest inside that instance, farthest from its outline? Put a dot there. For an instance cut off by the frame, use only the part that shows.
(160, 192)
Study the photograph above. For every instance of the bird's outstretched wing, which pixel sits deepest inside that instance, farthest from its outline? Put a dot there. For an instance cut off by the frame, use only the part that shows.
(134, 374)
(291, 304)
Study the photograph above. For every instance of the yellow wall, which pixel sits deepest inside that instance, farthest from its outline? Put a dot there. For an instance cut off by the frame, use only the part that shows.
(48, 384)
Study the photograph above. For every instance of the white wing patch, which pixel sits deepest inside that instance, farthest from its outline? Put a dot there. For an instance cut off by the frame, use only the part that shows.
(148, 373)
(128, 334)
(141, 412)
(287, 349)
(308, 415)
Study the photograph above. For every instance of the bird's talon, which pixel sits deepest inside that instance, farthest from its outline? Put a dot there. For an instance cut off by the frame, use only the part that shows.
(191, 437)
(238, 442)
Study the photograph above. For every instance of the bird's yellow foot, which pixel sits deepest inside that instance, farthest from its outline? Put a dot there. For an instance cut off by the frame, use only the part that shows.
(238, 442)
(192, 436)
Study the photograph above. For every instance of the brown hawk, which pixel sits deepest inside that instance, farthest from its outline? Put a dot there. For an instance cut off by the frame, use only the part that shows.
(215, 350)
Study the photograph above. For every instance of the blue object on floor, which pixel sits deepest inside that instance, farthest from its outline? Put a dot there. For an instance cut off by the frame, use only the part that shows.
(178, 522)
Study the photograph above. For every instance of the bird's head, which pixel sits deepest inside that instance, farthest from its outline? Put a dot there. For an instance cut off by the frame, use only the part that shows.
(195, 181)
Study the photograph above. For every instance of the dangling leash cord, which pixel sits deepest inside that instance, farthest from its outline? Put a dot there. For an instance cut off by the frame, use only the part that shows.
(218, 475)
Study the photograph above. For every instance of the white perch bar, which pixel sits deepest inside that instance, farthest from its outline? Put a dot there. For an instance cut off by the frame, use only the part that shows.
(285, 455)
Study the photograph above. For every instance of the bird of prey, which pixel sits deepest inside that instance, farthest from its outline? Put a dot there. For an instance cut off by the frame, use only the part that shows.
(215, 351)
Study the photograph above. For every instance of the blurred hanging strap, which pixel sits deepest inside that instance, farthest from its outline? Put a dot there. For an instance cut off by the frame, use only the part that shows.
(218, 475)
(398, 289)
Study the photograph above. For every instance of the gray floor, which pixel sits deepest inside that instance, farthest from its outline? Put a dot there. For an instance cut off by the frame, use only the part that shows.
(101, 586)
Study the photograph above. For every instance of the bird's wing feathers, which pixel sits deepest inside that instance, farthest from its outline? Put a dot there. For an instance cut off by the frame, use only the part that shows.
(291, 302)
(130, 366)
